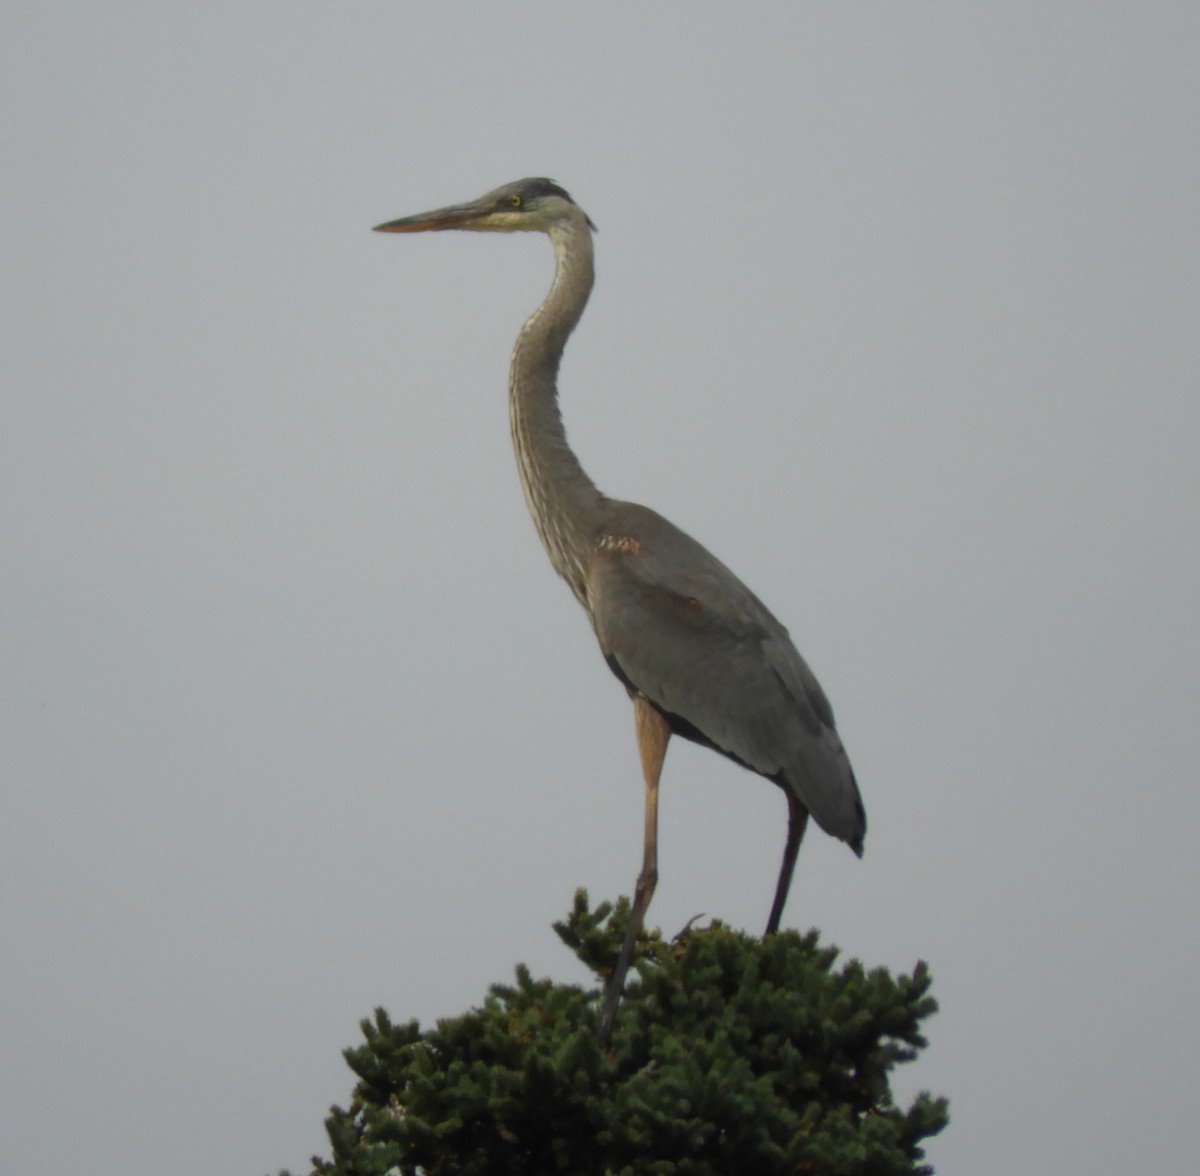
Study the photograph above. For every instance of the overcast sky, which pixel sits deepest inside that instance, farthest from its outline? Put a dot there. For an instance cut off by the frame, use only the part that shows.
(896, 312)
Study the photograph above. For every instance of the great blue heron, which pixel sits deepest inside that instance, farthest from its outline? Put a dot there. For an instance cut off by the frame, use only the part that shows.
(698, 652)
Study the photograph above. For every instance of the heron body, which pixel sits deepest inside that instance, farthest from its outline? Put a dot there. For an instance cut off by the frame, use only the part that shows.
(700, 655)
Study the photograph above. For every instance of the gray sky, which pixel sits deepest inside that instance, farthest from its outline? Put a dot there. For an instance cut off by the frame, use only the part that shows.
(896, 312)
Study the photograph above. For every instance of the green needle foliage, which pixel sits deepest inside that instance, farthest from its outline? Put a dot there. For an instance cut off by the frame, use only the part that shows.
(731, 1054)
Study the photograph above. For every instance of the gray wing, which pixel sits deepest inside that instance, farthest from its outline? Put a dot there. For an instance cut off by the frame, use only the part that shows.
(679, 627)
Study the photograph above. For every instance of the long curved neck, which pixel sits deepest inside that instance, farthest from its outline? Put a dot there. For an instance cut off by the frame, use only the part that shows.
(564, 502)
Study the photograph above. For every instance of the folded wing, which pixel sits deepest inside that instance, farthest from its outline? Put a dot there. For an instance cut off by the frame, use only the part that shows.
(679, 627)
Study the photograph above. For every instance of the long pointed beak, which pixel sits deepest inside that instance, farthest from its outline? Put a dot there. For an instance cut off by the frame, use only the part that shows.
(455, 216)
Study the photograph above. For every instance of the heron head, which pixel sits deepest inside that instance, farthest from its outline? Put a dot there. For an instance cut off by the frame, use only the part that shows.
(532, 205)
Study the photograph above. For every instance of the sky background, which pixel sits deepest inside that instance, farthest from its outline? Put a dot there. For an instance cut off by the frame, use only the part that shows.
(896, 312)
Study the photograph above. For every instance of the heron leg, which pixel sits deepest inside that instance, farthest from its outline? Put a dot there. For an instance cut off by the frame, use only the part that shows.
(652, 736)
(797, 822)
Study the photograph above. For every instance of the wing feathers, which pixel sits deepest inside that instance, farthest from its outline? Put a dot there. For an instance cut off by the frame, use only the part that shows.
(681, 629)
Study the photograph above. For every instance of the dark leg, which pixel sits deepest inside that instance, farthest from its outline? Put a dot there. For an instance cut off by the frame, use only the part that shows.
(652, 736)
(797, 821)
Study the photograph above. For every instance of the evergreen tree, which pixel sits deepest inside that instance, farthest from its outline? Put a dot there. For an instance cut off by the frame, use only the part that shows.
(731, 1054)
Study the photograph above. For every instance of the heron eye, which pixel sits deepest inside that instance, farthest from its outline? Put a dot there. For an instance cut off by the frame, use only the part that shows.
(516, 200)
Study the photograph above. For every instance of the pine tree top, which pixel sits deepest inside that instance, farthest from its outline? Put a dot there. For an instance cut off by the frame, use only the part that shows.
(730, 1054)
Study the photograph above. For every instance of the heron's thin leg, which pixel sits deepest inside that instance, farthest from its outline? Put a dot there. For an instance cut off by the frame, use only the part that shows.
(797, 822)
(652, 736)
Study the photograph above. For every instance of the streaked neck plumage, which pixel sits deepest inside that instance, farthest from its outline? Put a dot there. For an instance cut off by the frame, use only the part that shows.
(565, 504)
